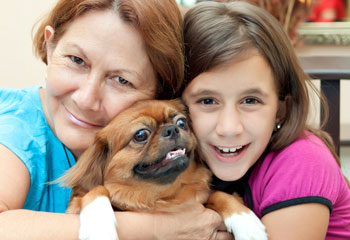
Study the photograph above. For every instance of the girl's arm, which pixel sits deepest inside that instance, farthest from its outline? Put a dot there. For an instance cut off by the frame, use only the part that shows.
(299, 222)
(193, 222)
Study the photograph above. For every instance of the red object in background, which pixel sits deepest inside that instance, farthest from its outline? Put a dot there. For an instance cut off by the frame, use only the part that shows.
(317, 12)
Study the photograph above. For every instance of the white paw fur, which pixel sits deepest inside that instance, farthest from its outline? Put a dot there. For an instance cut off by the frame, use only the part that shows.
(246, 226)
(97, 221)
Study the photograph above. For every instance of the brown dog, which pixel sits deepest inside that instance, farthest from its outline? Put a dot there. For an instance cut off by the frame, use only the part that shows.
(144, 161)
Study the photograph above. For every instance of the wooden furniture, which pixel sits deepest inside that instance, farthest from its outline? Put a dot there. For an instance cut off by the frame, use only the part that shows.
(330, 70)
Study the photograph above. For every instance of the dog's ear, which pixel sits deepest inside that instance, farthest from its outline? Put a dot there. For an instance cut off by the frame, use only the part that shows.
(88, 171)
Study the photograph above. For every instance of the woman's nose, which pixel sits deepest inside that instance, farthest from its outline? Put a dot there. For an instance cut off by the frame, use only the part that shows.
(88, 96)
(229, 122)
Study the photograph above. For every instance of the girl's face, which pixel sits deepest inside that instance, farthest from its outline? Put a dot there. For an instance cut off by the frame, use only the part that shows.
(97, 69)
(233, 110)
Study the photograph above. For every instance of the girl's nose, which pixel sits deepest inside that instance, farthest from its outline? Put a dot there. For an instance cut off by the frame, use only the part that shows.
(88, 96)
(229, 122)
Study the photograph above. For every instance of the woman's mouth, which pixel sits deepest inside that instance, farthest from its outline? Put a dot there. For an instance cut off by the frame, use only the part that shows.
(75, 120)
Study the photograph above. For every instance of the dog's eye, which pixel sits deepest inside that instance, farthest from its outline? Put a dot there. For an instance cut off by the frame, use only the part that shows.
(182, 123)
(142, 135)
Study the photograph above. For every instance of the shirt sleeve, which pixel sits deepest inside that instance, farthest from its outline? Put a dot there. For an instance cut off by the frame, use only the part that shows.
(305, 172)
(18, 123)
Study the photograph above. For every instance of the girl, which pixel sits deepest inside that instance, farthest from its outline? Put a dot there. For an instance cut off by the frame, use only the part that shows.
(101, 56)
(249, 102)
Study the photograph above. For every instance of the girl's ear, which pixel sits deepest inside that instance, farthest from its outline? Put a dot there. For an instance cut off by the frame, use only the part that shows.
(282, 109)
(49, 36)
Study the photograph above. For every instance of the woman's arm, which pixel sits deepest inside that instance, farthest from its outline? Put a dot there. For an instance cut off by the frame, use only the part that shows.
(299, 222)
(17, 223)
(26, 224)
(14, 180)
(193, 222)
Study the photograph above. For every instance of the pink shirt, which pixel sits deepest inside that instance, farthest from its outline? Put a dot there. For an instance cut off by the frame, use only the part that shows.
(303, 172)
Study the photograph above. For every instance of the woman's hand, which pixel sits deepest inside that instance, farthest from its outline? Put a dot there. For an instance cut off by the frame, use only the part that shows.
(194, 221)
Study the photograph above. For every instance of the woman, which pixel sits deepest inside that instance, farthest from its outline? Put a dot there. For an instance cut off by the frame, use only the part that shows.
(101, 57)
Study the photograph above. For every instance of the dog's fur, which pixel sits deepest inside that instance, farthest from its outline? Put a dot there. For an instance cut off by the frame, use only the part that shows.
(129, 166)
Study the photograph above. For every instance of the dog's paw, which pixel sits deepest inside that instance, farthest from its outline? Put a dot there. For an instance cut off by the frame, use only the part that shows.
(97, 221)
(246, 226)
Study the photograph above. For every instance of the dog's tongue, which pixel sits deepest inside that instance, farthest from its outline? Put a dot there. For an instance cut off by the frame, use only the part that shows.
(173, 154)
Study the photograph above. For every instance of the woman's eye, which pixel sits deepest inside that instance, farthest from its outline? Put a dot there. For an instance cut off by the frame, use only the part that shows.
(141, 135)
(121, 80)
(77, 60)
(182, 123)
(251, 101)
(207, 101)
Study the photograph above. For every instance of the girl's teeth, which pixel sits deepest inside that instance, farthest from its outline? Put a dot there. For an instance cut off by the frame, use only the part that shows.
(229, 150)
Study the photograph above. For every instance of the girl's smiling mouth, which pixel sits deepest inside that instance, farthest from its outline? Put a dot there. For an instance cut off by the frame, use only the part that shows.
(229, 154)
(228, 150)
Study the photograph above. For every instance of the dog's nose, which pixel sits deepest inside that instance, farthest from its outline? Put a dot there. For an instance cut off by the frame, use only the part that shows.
(171, 132)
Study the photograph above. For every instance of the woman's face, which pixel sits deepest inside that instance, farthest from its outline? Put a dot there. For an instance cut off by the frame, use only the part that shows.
(98, 68)
(233, 109)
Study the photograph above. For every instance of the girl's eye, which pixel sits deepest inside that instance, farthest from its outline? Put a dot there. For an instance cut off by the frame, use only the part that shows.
(251, 101)
(77, 60)
(207, 101)
(121, 80)
(141, 135)
(182, 123)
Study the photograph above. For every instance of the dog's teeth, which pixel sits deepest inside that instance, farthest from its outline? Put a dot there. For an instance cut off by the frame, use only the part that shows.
(173, 154)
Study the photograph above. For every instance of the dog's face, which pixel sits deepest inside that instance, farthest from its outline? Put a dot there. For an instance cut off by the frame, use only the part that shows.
(150, 141)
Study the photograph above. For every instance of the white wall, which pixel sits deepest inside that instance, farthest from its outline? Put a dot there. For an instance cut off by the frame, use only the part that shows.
(18, 66)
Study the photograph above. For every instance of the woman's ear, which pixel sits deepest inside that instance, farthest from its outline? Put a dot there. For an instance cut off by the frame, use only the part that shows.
(49, 36)
(48, 33)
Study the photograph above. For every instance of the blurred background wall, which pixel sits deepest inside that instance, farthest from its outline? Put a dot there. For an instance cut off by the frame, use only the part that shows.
(18, 66)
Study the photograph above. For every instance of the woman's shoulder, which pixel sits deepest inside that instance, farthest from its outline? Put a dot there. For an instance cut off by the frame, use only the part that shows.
(20, 109)
(13, 99)
(23, 127)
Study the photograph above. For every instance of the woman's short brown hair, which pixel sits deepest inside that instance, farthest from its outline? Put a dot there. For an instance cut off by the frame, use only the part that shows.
(159, 22)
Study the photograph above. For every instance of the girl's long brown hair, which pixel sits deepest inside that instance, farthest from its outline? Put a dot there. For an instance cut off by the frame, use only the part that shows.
(218, 33)
(159, 22)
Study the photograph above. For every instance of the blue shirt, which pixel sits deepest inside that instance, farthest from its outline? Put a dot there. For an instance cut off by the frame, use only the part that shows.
(25, 131)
